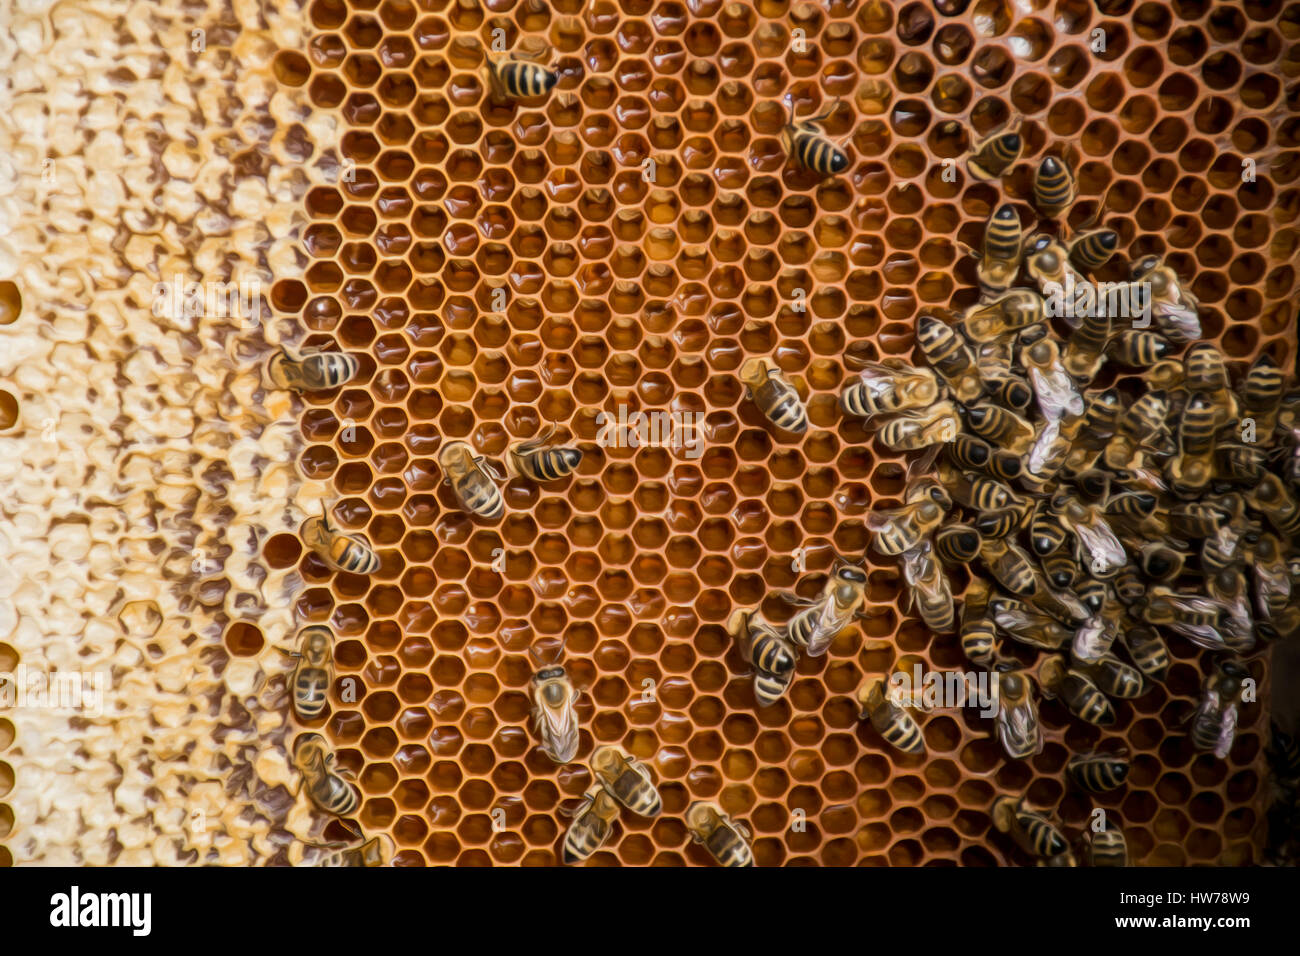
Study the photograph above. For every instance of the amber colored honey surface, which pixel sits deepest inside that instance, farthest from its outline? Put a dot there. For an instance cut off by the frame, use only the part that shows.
(620, 291)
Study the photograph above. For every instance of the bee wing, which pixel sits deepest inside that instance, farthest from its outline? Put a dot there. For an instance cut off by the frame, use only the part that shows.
(558, 728)
(916, 563)
(1099, 544)
(880, 522)
(1202, 635)
(880, 379)
(923, 464)
(1090, 641)
(1057, 395)
(1227, 731)
(1044, 447)
(1178, 320)
(1018, 730)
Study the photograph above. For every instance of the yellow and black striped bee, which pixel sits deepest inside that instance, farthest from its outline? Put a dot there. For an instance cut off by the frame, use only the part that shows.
(314, 673)
(1098, 772)
(1107, 848)
(950, 357)
(342, 552)
(535, 461)
(555, 713)
(1046, 533)
(1001, 257)
(376, 851)
(957, 543)
(1114, 677)
(592, 826)
(978, 492)
(767, 649)
(1272, 498)
(312, 370)
(978, 633)
(1148, 651)
(470, 477)
(1243, 463)
(1058, 398)
(726, 840)
(775, 397)
(994, 155)
(1011, 391)
(1048, 264)
(517, 78)
(1028, 625)
(1093, 249)
(1000, 427)
(889, 386)
(325, 787)
(1199, 619)
(935, 425)
(1061, 569)
(1010, 565)
(1137, 348)
(1055, 188)
(1174, 308)
(890, 719)
(1032, 830)
(1159, 561)
(824, 617)
(805, 142)
(1274, 585)
(900, 529)
(1214, 724)
(627, 779)
(1083, 698)
(1100, 421)
(975, 454)
(931, 592)
(1018, 728)
(1261, 395)
(1012, 311)
(1085, 352)
(1143, 429)
(1190, 471)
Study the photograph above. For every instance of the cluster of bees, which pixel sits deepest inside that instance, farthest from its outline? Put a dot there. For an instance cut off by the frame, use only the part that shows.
(1093, 520)
(624, 783)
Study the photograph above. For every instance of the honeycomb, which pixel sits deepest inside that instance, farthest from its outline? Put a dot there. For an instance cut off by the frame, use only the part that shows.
(630, 241)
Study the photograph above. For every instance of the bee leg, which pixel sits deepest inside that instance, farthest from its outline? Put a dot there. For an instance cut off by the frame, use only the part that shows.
(825, 114)
(489, 468)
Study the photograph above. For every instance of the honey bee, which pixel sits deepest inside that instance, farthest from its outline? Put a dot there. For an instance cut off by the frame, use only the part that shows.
(627, 779)
(1175, 308)
(1083, 698)
(1096, 547)
(1272, 498)
(512, 78)
(1093, 639)
(889, 386)
(1048, 265)
(978, 633)
(1115, 678)
(1273, 581)
(775, 397)
(1054, 187)
(1060, 569)
(1143, 427)
(979, 492)
(998, 426)
(1046, 533)
(1001, 259)
(326, 788)
(936, 425)
(956, 543)
(312, 370)
(1057, 396)
(1196, 519)
(1032, 831)
(1085, 352)
(975, 454)
(592, 825)
(1018, 728)
(1207, 373)
(901, 529)
(1028, 625)
(1214, 724)
(1011, 391)
(1093, 249)
(1001, 523)
(804, 141)
(931, 593)
(773, 657)
(1093, 594)
(1191, 469)
(555, 714)
(1148, 651)
(342, 552)
(1233, 462)
(314, 673)
(1138, 348)
(535, 461)
(994, 155)
(1100, 422)
(824, 617)
(726, 840)
(1237, 627)
(1098, 772)
(1198, 619)
(950, 357)
(1160, 562)
(1262, 394)
(376, 851)
(890, 719)
(1010, 565)
(470, 477)
(1012, 311)
(1107, 848)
